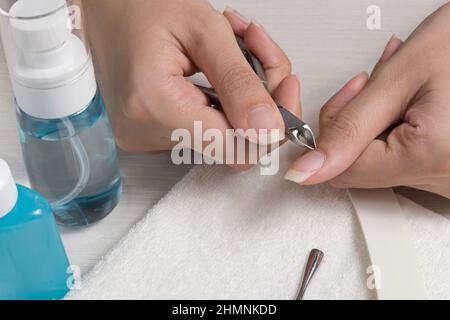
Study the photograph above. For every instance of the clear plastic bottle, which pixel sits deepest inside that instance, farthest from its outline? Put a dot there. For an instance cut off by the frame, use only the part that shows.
(67, 142)
(33, 263)
(73, 163)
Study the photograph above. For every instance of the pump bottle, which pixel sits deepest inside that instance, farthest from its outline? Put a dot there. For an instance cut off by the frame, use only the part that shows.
(67, 142)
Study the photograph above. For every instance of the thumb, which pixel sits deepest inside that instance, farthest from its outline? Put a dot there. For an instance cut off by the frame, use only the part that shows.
(246, 102)
(352, 130)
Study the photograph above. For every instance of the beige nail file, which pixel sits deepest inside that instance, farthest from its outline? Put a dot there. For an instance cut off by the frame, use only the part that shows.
(395, 267)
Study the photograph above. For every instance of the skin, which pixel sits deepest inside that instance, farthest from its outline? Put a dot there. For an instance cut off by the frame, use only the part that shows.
(146, 49)
(409, 90)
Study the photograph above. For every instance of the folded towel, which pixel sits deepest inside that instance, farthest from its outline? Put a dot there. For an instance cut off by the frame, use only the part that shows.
(220, 234)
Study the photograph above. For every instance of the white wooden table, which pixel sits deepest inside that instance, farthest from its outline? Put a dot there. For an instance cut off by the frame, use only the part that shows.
(328, 42)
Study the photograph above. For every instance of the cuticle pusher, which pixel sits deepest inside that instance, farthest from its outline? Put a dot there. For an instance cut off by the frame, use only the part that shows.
(314, 260)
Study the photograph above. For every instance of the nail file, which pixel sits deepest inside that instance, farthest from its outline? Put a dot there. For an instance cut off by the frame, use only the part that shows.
(395, 267)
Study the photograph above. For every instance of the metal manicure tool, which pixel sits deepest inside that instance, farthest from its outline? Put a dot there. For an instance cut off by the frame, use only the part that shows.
(296, 130)
(314, 260)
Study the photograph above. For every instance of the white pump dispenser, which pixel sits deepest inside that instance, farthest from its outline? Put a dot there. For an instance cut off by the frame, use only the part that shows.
(66, 138)
(8, 190)
(52, 71)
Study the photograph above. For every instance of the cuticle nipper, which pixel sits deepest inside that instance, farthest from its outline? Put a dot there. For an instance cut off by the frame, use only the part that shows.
(297, 131)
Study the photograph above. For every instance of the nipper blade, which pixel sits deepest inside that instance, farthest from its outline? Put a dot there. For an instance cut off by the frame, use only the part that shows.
(297, 131)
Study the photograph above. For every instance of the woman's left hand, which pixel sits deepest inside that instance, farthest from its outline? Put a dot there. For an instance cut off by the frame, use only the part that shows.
(408, 90)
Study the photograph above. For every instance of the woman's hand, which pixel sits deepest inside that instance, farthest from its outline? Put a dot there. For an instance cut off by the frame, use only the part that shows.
(147, 48)
(410, 90)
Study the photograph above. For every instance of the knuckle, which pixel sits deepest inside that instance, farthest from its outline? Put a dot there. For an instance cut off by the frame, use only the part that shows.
(324, 116)
(221, 22)
(345, 128)
(124, 140)
(133, 106)
(420, 140)
(123, 143)
(285, 65)
(134, 95)
(237, 78)
(140, 100)
(216, 24)
(203, 31)
(415, 138)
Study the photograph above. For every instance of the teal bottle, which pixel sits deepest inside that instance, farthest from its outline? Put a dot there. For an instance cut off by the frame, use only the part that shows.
(33, 262)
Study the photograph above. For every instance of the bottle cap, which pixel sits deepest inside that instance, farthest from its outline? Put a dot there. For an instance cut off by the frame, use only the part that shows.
(40, 34)
(48, 57)
(8, 190)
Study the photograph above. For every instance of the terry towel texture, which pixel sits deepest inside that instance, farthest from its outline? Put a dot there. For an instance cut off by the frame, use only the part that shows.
(220, 234)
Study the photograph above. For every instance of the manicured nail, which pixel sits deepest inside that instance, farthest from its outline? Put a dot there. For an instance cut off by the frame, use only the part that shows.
(363, 74)
(256, 23)
(263, 117)
(264, 121)
(237, 14)
(305, 167)
(394, 37)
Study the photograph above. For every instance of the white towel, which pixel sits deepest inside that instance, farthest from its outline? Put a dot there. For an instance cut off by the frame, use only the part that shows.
(225, 235)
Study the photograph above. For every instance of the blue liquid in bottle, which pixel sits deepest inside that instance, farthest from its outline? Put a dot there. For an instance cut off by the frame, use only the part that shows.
(33, 263)
(72, 162)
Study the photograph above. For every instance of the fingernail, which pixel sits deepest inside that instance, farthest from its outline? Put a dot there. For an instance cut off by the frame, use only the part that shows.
(263, 117)
(305, 167)
(237, 14)
(394, 43)
(256, 23)
(394, 37)
(363, 74)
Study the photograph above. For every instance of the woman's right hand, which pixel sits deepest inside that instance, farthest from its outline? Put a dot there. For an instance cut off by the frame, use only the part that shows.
(149, 47)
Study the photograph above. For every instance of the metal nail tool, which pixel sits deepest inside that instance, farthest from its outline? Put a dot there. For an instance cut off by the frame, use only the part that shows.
(296, 130)
(314, 260)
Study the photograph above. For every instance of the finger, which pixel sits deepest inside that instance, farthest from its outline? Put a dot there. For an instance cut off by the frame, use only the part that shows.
(354, 86)
(238, 22)
(392, 47)
(382, 164)
(332, 108)
(343, 140)
(288, 95)
(275, 62)
(342, 98)
(246, 102)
